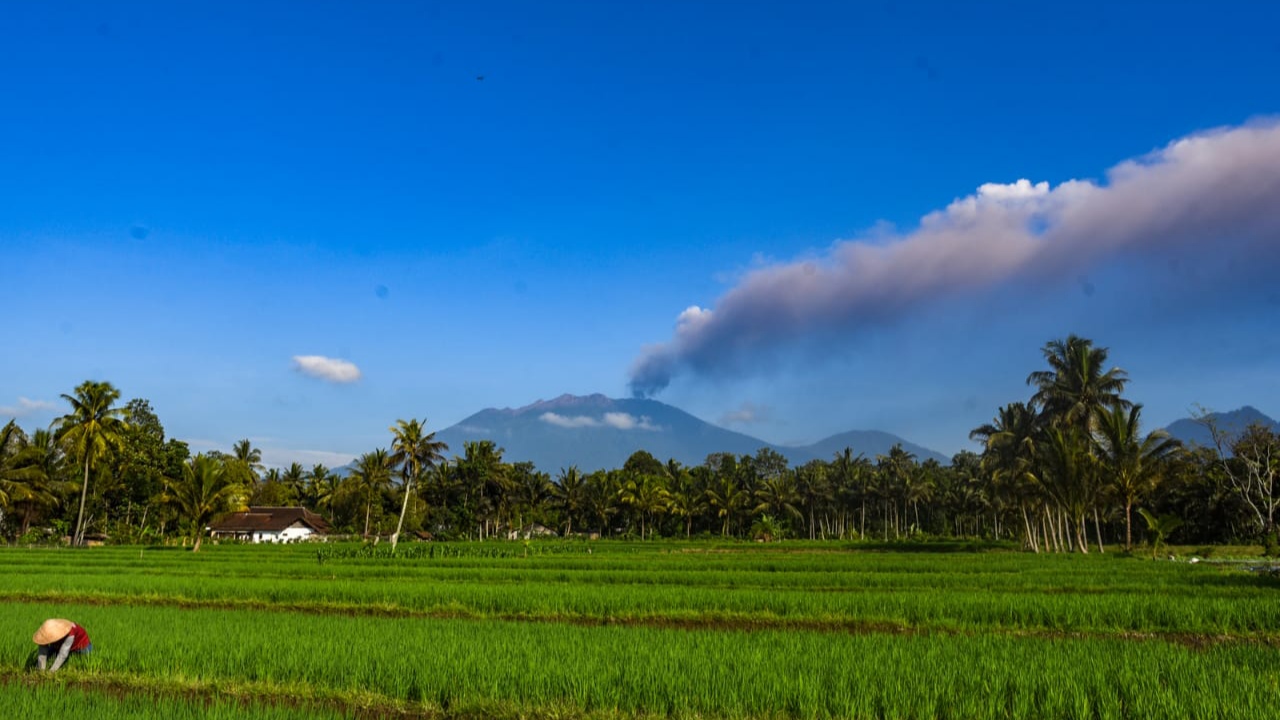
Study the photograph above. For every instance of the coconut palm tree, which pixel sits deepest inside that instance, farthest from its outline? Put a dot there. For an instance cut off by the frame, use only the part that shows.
(814, 486)
(1069, 473)
(412, 449)
(1076, 386)
(851, 477)
(92, 429)
(1009, 457)
(487, 480)
(688, 495)
(646, 494)
(294, 479)
(778, 497)
(1160, 528)
(895, 472)
(602, 497)
(207, 488)
(13, 477)
(570, 493)
(1131, 462)
(531, 490)
(371, 476)
(728, 497)
(321, 485)
(921, 482)
(37, 473)
(250, 459)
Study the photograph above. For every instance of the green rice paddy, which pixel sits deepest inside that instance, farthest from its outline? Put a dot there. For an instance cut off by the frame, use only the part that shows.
(643, 630)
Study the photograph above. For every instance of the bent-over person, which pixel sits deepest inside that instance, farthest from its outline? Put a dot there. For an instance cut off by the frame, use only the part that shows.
(60, 638)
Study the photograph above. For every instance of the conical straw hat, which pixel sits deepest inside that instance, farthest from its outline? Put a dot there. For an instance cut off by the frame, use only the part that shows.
(52, 630)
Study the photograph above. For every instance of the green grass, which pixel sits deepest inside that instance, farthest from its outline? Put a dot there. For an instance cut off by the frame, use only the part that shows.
(629, 630)
(1011, 592)
(461, 664)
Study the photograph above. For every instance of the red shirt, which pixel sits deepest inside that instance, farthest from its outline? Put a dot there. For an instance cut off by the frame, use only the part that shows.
(82, 638)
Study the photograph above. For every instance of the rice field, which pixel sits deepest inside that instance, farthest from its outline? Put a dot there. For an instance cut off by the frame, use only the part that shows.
(615, 630)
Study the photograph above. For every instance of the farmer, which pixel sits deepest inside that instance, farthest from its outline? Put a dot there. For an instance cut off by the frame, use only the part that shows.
(62, 637)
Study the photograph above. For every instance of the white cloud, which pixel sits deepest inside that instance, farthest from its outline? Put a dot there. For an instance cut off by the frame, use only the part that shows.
(692, 319)
(275, 456)
(568, 421)
(25, 407)
(199, 445)
(325, 368)
(1013, 191)
(615, 420)
(283, 457)
(627, 421)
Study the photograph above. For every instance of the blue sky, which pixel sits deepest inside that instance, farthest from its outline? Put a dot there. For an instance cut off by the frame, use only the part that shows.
(483, 204)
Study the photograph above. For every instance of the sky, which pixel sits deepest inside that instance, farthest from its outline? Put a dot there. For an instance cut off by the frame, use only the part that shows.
(300, 222)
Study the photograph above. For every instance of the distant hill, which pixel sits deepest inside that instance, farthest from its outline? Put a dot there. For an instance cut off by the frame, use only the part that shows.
(1193, 432)
(870, 442)
(597, 432)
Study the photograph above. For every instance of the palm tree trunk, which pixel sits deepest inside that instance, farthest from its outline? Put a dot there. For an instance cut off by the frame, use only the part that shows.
(78, 538)
(368, 506)
(1097, 530)
(1031, 538)
(408, 485)
(1128, 526)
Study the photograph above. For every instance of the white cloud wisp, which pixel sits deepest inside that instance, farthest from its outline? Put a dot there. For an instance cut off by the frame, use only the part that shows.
(324, 368)
(25, 407)
(615, 420)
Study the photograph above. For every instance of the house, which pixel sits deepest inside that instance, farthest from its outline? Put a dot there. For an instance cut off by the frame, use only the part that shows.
(271, 524)
(531, 531)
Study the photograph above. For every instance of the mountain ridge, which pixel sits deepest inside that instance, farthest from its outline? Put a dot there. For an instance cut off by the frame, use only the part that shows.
(1191, 431)
(598, 432)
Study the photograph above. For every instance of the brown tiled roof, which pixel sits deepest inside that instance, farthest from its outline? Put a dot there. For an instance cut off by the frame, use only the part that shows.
(270, 519)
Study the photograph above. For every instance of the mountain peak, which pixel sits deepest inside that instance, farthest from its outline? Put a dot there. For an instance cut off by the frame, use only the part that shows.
(595, 400)
(596, 431)
(1192, 431)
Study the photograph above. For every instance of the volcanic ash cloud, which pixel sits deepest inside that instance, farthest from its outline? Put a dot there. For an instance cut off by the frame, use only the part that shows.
(1217, 190)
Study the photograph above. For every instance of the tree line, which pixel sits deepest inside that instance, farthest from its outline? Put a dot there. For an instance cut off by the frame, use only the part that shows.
(1064, 470)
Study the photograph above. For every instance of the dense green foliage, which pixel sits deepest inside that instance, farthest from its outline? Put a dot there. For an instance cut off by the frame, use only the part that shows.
(1066, 470)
